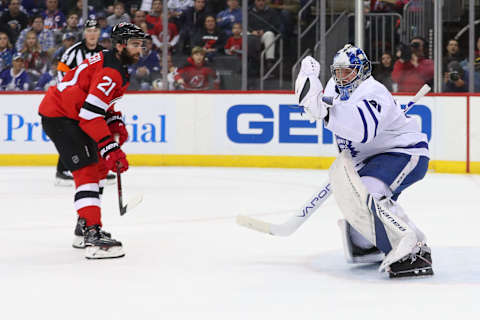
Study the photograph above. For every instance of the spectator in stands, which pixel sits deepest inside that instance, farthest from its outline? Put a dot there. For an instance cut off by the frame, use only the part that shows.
(383, 72)
(211, 38)
(287, 9)
(119, 15)
(193, 21)
(157, 35)
(412, 70)
(476, 73)
(105, 40)
(264, 23)
(71, 27)
(226, 18)
(177, 7)
(234, 43)
(217, 5)
(91, 14)
(140, 20)
(36, 60)
(453, 80)
(155, 15)
(146, 5)
(383, 6)
(103, 24)
(146, 69)
(453, 54)
(53, 19)
(195, 74)
(45, 37)
(172, 72)
(15, 19)
(47, 79)
(33, 7)
(6, 51)
(68, 40)
(15, 78)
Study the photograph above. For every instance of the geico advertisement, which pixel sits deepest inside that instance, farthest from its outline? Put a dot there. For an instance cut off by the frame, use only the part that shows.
(270, 124)
(151, 126)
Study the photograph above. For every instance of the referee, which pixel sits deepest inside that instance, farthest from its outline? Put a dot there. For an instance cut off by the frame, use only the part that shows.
(72, 57)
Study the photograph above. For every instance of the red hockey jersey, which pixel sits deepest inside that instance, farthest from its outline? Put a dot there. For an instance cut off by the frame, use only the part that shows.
(87, 92)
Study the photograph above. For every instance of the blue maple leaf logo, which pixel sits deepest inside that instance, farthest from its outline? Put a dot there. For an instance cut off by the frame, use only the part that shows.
(344, 144)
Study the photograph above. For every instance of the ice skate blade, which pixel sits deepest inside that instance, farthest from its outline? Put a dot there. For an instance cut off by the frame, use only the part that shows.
(78, 242)
(94, 252)
(426, 272)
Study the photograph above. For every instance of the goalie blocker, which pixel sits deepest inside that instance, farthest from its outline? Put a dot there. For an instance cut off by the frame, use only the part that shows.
(380, 225)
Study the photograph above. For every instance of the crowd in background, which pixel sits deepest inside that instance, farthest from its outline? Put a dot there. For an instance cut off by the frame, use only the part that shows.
(202, 34)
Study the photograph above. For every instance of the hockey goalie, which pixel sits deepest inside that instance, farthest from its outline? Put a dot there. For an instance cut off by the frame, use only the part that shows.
(383, 152)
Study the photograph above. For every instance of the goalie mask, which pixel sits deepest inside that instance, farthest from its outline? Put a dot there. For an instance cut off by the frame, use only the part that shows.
(350, 67)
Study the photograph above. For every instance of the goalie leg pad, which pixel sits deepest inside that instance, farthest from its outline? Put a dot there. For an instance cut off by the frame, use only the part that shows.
(354, 253)
(368, 216)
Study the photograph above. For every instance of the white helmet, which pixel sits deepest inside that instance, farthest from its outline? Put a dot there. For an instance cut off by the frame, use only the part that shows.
(350, 67)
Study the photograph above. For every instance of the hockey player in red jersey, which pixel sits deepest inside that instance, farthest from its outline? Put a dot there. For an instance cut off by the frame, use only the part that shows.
(79, 117)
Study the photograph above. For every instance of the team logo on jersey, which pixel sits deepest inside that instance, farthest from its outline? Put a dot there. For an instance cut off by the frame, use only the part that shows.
(197, 81)
(344, 144)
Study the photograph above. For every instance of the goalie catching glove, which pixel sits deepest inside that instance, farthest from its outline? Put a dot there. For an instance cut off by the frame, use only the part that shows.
(309, 89)
(113, 155)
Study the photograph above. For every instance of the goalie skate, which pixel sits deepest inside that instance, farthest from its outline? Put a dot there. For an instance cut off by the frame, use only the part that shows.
(98, 246)
(79, 234)
(418, 263)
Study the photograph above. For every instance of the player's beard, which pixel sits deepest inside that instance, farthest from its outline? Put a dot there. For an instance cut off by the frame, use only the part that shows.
(128, 59)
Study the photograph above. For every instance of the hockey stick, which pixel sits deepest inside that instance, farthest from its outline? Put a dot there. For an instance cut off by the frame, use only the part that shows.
(420, 94)
(292, 224)
(132, 202)
(314, 202)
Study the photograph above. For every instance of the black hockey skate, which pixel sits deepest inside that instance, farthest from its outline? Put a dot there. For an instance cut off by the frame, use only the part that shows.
(418, 263)
(79, 234)
(63, 178)
(100, 247)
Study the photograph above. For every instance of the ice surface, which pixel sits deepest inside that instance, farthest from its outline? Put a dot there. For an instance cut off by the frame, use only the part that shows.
(187, 259)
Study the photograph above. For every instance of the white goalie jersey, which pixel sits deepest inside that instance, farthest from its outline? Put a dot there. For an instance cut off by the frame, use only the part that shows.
(371, 122)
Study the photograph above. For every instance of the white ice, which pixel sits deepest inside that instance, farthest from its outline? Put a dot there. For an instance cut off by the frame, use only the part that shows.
(187, 259)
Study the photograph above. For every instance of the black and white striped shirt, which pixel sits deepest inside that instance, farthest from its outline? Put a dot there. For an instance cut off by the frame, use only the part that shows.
(74, 56)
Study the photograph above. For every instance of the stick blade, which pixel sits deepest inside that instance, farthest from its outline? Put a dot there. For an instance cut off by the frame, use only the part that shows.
(132, 203)
(254, 224)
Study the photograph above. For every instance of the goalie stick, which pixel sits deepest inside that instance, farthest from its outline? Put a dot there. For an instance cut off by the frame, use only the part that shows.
(314, 202)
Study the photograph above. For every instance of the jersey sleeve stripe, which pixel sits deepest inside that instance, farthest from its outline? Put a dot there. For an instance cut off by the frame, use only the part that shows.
(373, 116)
(93, 100)
(365, 128)
(88, 115)
(90, 107)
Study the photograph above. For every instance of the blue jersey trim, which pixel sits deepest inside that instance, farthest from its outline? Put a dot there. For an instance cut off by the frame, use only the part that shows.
(420, 145)
(373, 116)
(365, 128)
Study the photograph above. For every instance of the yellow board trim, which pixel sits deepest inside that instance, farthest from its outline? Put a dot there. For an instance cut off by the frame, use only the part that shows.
(225, 161)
